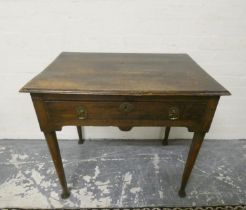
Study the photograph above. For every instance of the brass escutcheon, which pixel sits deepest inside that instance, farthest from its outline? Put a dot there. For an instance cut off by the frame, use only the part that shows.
(81, 113)
(173, 113)
(126, 107)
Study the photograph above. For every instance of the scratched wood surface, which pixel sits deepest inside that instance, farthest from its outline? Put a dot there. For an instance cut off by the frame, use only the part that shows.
(124, 74)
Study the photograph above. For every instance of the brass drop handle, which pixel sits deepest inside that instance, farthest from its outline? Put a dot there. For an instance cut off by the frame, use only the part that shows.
(81, 113)
(173, 113)
(126, 107)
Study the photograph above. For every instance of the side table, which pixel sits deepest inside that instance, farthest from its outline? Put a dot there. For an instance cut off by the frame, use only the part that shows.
(124, 90)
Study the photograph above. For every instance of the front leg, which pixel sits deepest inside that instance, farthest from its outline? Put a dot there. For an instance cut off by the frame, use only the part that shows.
(194, 150)
(56, 156)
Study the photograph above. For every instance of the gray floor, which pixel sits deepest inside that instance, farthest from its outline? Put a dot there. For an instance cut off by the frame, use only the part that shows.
(121, 174)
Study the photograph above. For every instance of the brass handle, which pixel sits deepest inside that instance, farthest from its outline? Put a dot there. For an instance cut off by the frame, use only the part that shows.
(81, 113)
(173, 113)
(126, 107)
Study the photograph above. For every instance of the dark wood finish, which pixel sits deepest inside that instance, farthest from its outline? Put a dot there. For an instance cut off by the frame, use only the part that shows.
(124, 74)
(165, 140)
(55, 154)
(125, 128)
(100, 112)
(194, 149)
(81, 140)
(124, 90)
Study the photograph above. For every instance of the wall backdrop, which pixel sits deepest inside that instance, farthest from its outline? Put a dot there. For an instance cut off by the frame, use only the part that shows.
(34, 32)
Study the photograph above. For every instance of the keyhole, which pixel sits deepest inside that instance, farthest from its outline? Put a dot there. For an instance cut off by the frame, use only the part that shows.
(126, 107)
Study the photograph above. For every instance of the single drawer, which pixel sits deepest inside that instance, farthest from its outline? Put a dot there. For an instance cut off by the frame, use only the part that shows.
(88, 111)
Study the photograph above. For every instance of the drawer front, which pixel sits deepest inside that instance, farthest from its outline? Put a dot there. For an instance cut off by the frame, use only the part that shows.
(91, 111)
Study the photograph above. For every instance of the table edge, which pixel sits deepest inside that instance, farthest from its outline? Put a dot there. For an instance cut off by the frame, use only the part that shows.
(133, 93)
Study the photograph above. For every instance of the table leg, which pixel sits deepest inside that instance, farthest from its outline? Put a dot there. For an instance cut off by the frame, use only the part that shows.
(194, 150)
(56, 156)
(165, 140)
(81, 140)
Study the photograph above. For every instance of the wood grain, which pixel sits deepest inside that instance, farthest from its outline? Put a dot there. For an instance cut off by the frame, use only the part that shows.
(124, 74)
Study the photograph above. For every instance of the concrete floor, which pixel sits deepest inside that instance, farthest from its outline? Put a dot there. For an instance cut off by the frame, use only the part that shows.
(117, 173)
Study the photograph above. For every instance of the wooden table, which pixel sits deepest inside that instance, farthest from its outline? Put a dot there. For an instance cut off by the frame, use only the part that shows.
(124, 90)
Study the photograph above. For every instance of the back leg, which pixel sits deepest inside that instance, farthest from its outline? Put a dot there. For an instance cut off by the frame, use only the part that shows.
(81, 140)
(165, 140)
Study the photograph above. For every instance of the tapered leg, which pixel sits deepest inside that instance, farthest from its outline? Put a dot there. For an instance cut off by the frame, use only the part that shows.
(81, 140)
(56, 156)
(165, 140)
(194, 150)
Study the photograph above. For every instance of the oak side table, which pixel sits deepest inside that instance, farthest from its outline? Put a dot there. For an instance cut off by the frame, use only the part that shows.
(124, 90)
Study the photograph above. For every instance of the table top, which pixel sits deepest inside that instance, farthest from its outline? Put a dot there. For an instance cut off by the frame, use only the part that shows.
(124, 74)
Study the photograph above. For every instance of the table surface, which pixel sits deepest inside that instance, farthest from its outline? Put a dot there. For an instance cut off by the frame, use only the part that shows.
(124, 74)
